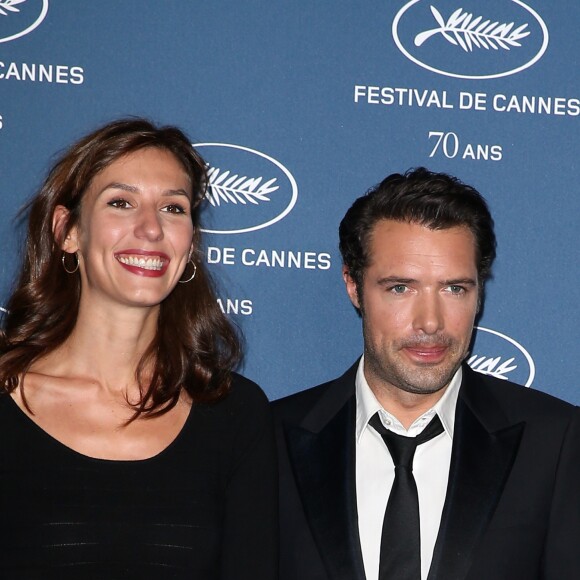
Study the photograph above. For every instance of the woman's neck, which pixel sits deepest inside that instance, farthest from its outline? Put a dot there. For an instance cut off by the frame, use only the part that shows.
(105, 347)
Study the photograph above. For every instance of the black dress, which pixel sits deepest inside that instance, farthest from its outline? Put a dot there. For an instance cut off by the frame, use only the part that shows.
(203, 508)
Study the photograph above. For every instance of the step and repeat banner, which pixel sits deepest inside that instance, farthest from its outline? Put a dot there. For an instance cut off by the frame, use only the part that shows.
(298, 108)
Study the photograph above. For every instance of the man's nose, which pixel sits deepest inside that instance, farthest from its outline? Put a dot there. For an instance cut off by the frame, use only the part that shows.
(428, 314)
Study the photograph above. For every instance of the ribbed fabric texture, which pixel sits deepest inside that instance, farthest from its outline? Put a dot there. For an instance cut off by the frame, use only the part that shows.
(65, 515)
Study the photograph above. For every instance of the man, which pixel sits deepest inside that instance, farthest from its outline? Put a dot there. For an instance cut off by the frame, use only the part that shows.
(492, 487)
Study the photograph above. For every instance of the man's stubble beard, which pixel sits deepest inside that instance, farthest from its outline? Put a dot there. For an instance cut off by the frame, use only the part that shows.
(423, 379)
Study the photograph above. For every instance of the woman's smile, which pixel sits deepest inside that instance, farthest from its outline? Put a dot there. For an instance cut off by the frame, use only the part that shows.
(143, 262)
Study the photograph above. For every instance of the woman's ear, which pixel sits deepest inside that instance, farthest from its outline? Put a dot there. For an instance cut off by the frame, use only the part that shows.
(68, 242)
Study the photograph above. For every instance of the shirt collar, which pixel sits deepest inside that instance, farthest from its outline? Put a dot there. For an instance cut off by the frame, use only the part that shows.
(367, 405)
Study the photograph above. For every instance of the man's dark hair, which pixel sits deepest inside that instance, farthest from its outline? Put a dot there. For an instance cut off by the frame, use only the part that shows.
(435, 200)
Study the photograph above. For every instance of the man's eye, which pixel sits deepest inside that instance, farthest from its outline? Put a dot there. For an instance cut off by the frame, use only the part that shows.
(120, 203)
(399, 289)
(456, 289)
(174, 208)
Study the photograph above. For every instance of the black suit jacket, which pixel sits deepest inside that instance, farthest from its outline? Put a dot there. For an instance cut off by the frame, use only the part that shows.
(512, 510)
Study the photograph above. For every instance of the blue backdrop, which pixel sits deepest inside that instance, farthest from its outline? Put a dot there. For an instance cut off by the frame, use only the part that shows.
(299, 107)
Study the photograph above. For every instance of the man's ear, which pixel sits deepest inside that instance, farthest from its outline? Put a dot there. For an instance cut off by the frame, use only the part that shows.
(351, 289)
(67, 243)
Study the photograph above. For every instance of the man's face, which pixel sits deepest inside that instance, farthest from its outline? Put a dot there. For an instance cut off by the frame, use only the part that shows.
(418, 304)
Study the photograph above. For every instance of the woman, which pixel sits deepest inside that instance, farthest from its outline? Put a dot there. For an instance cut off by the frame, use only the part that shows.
(128, 448)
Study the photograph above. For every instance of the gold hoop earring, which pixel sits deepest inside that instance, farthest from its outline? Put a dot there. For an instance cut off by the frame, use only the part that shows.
(190, 261)
(64, 255)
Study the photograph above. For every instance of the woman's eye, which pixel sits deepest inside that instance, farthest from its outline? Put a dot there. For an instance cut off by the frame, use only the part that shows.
(120, 203)
(174, 208)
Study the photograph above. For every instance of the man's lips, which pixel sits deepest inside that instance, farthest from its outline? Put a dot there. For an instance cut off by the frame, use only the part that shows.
(431, 354)
(143, 262)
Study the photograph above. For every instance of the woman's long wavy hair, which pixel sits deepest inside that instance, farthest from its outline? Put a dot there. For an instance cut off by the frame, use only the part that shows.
(195, 347)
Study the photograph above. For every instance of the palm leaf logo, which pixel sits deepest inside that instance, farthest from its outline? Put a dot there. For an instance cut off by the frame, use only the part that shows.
(493, 366)
(9, 5)
(226, 188)
(461, 29)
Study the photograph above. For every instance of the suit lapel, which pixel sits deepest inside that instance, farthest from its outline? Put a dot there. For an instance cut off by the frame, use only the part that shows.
(484, 449)
(322, 453)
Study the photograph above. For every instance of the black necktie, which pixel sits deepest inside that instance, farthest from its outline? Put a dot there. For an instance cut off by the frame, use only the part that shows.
(401, 540)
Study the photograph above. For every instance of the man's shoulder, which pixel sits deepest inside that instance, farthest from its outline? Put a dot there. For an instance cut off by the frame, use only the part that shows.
(294, 407)
(523, 402)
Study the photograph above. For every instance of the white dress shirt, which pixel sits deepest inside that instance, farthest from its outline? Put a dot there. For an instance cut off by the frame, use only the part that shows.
(375, 471)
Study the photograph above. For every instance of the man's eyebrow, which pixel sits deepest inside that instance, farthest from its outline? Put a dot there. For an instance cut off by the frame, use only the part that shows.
(395, 280)
(458, 282)
(451, 282)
